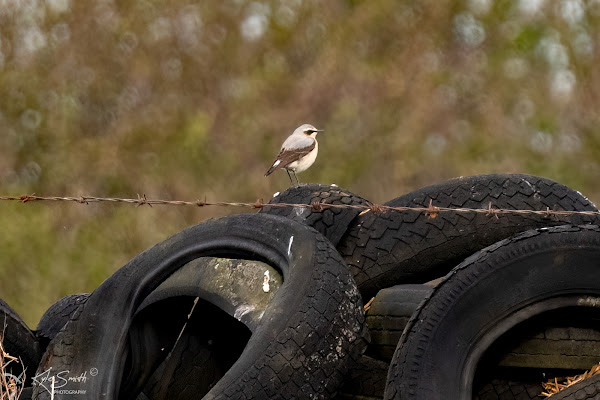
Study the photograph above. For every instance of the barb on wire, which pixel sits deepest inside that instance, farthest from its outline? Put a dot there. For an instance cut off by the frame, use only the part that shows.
(376, 208)
(431, 211)
(142, 200)
(492, 212)
(317, 205)
(259, 204)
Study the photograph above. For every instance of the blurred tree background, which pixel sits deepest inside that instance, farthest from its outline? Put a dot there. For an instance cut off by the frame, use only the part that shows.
(185, 101)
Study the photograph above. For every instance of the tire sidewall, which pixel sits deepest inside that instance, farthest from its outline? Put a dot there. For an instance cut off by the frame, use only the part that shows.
(497, 291)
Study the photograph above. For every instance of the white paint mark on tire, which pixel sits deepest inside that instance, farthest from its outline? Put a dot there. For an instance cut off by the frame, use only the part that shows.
(266, 287)
(290, 245)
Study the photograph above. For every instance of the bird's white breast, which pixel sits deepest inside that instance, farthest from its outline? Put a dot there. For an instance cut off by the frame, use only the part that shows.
(305, 162)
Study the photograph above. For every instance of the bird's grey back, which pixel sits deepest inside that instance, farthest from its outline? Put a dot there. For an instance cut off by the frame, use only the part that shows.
(297, 142)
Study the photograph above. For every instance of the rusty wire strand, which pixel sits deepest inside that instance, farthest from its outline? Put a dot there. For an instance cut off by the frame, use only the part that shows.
(431, 211)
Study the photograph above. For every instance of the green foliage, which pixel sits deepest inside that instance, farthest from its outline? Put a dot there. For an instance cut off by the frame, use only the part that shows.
(528, 38)
(186, 101)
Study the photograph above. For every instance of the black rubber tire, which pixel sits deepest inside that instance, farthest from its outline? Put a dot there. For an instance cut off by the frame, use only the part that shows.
(19, 341)
(212, 340)
(484, 297)
(366, 381)
(57, 315)
(541, 344)
(552, 344)
(330, 222)
(310, 336)
(26, 393)
(189, 374)
(503, 389)
(230, 283)
(209, 345)
(389, 248)
(587, 389)
(388, 315)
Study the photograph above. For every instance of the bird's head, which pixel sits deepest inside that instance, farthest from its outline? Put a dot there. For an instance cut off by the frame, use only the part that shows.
(307, 130)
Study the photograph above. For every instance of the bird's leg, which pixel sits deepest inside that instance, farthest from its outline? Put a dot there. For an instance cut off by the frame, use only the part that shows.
(297, 181)
(288, 171)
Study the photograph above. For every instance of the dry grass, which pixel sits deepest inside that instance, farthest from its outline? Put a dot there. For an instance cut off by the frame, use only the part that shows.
(368, 305)
(9, 389)
(555, 385)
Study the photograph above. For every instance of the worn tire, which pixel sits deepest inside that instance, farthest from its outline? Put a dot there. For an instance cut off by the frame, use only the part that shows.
(389, 248)
(57, 315)
(19, 341)
(212, 340)
(486, 296)
(366, 381)
(209, 345)
(237, 286)
(389, 313)
(503, 389)
(587, 389)
(572, 345)
(331, 222)
(310, 336)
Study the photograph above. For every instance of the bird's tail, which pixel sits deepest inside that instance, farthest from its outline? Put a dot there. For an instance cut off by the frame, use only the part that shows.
(273, 167)
(270, 171)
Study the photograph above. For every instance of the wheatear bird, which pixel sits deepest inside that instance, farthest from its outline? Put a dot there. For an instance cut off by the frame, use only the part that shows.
(298, 152)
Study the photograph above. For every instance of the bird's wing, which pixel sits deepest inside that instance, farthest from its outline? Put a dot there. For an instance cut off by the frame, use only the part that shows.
(298, 142)
(288, 155)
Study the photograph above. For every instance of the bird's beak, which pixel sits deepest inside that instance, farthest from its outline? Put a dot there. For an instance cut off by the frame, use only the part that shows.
(319, 130)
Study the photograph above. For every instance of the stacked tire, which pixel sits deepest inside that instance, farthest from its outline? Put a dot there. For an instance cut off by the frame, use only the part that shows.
(272, 305)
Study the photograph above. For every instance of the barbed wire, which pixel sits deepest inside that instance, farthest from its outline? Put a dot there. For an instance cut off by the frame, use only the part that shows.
(431, 210)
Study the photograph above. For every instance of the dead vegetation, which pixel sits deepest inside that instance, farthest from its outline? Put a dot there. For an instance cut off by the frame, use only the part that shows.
(10, 389)
(555, 385)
